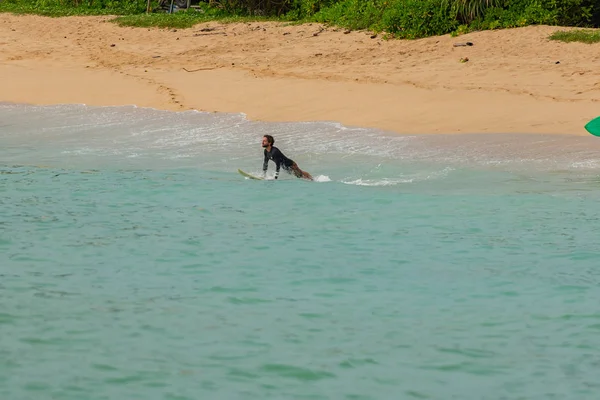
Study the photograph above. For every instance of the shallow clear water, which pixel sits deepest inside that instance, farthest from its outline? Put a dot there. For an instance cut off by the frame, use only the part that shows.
(136, 263)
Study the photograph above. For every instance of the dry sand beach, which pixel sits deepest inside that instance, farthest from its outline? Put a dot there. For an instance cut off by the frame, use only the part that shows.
(515, 81)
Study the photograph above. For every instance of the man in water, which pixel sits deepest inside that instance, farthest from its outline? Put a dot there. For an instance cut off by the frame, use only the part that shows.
(274, 154)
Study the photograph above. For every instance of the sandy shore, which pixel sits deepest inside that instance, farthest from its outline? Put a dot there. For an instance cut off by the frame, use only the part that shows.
(515, 81)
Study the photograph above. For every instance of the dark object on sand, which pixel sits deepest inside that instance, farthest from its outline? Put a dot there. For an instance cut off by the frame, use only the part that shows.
(200, 69)
(463, 44)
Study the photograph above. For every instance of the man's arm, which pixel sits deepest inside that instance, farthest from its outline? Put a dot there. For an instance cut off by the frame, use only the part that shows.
(277, 158)
(277, 166)
(265, 164)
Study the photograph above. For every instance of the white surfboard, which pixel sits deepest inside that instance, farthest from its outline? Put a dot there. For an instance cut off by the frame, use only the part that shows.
(247, 175)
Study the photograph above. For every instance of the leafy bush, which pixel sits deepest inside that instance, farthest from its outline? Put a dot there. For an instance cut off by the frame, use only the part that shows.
(74, 7)
(412, 19)
(400, 18)
(353, 14)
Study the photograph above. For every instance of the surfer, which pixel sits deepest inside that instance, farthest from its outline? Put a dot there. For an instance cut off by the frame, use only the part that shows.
(280, 160)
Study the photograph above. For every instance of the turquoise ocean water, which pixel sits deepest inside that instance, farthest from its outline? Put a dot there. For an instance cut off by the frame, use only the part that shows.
(136, 263)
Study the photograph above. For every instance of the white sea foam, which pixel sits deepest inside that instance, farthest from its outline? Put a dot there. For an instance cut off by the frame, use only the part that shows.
(226, 142)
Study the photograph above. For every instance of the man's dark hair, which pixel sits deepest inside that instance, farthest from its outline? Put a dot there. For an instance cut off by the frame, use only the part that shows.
(270, 139)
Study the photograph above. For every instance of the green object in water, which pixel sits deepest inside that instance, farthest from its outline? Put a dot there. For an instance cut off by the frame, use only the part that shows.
(593, 126)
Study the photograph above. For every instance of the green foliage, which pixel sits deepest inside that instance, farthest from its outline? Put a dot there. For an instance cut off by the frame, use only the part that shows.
(469, 10)
(354, 14)
(303, 9)
(413, 19)
(256, 7)
(59, 8)
(579, 35)
(398, 18)
(516, 13)
(181, 19)
(576, 12)
(420, 18)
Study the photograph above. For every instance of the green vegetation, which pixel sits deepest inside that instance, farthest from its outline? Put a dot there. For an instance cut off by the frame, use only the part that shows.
(579, 35)
(396, 18)
(61, 8)
(177, 20)
(183, 19)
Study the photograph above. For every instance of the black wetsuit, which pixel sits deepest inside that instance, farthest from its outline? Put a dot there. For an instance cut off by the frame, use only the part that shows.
(278, 158)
